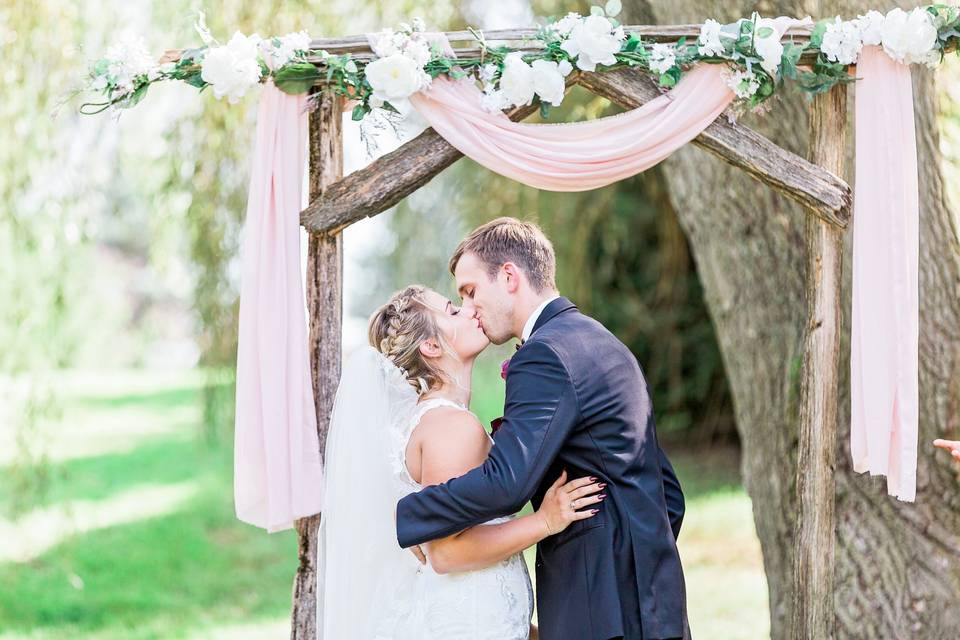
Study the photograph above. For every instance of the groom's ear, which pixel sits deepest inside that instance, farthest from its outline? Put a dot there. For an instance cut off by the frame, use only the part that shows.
(512, 275)
(430, 349)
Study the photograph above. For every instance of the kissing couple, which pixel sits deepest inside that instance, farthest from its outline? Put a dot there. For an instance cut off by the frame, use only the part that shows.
(420, 537)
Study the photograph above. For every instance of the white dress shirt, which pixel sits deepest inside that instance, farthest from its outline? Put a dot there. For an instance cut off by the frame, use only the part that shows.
(532, 320)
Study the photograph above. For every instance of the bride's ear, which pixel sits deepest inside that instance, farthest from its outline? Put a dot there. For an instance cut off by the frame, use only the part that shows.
(430, 348)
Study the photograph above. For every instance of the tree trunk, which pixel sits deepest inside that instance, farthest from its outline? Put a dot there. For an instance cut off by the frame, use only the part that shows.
(897, 564)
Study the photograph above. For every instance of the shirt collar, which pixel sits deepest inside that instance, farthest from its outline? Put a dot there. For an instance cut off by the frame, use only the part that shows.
(532, 320)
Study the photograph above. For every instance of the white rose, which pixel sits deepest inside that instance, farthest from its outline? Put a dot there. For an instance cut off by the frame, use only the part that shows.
(384, 45)
(233, 68)
(548, 81)
(870, 26)
(662, 58)
(770, 49)
(594, 41)
(841, 42)
(565, 67)
(395, 77)
(909, 37)
(516, 81)
(709, 40)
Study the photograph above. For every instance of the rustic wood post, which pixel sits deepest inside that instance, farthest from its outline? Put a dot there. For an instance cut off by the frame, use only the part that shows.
(324, 288)
(813, 613)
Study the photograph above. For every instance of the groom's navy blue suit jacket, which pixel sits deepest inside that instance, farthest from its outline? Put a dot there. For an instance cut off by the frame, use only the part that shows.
(576, 399)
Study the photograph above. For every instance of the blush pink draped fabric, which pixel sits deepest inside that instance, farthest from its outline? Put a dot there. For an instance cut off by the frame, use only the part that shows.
(577, 156)
(277, 471)
(884, 338)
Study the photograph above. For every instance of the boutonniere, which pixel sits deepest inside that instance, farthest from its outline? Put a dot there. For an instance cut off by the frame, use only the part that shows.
(495, 424)
(503, 368)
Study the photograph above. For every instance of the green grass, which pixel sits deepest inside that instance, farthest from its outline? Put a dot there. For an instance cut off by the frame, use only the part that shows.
(135, 536)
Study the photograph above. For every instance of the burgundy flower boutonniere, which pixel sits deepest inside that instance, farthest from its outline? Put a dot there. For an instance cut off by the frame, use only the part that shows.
(503, 368)
(495, 424)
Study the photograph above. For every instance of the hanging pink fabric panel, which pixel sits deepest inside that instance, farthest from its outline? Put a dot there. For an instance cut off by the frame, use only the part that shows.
(884, 338)
(277, 471)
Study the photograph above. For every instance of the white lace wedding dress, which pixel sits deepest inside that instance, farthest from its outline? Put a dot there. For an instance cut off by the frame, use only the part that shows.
(495, 603)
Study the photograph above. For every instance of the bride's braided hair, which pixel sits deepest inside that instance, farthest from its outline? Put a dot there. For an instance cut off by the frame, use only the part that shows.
(399, 327)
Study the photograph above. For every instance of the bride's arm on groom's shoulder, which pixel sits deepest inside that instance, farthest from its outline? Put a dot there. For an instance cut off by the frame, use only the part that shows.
(452, 444)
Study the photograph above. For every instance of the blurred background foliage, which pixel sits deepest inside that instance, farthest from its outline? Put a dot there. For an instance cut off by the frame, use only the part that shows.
(119, 247)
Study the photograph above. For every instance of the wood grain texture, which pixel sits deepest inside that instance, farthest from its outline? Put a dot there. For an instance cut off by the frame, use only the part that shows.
(324, 290)
(816, 538)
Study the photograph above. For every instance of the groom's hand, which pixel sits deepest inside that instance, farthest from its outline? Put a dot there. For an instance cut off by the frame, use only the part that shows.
(418, 552)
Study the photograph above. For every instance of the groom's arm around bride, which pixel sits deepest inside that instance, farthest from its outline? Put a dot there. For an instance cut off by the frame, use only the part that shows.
(576, 399)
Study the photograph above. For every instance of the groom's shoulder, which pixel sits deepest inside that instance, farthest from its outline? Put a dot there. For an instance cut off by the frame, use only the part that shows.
(573, 332)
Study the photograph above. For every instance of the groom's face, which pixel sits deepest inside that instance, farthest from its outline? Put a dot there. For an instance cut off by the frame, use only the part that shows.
(486, 298)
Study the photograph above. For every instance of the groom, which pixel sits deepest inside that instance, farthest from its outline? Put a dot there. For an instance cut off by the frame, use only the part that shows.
(576, 399)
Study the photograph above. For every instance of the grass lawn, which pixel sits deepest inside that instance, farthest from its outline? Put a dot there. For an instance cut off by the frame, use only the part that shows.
(135, 535)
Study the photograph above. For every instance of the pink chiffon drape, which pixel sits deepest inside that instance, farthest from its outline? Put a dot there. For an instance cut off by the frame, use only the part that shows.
(884, 355)
(277, 471)
(278, 474)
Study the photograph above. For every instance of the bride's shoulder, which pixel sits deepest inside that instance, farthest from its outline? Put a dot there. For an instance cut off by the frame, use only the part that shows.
(449, 431)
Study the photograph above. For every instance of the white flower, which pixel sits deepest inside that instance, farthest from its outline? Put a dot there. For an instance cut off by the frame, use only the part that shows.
(488, 73)
(385, 44)
(770, 49)
(709, 40)
(565, 67)
(417, 50)
(841, 42)
(127, 60)
(493, 100)
(418, 24)
(516, 81)
(232, 68)
(909, 37)
(279, 51)
(662, 58)
(593, 41)
(566, 24)
(743, 83)
(870, 26)
(395, 77)
(548, 81)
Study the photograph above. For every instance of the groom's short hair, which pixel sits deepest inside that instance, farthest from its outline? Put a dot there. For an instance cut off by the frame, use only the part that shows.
(511, 240)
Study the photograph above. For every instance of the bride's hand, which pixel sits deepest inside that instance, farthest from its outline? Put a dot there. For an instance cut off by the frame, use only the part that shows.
(562, 499)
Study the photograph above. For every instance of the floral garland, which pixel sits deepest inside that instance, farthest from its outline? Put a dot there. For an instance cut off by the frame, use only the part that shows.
(407, 62)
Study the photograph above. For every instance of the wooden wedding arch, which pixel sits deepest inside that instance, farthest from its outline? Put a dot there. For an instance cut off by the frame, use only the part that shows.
(337, 202)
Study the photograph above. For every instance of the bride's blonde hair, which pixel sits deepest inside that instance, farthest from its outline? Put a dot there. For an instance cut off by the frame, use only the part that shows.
(399, 327)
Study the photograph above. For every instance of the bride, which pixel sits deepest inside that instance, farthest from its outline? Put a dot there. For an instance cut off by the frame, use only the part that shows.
(400, 422)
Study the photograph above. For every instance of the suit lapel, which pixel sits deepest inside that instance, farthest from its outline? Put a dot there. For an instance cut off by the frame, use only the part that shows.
(552, 310)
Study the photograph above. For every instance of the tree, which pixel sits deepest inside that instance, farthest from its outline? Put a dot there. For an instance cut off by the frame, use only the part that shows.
(898, 564)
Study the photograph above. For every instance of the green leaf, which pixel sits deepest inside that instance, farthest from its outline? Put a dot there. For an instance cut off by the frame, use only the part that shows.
(632, 42)
(358, 112)
(296, 78)
(764, 32)
(135, 97)
(816, 36)
(613, 7)
(544, 110)
(596, 11)
(195, 80)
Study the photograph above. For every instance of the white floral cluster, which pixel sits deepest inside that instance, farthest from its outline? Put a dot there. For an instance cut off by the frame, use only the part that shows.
(907, 37)
(124, 66)
(520, 81)
(590, 40)
(398, 73)
(232, 69)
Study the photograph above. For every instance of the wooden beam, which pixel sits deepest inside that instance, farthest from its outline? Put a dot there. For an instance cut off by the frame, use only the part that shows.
(324, 289)
(388, 179)
(815, 187)
(813, 612)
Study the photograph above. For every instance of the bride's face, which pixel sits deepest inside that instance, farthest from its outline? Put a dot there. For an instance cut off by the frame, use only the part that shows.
(461, 330)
